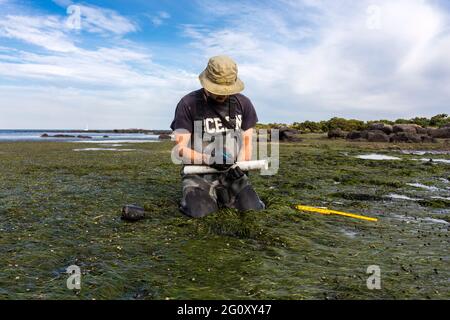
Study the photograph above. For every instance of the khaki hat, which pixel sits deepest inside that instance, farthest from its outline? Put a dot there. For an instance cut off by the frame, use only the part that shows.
(220, 76)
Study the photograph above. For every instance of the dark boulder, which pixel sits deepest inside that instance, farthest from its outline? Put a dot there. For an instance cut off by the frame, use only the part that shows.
(132, 212)
(286, 129)
(62, 136)
(45, 135)
(410, 128)
(441, 133)
(84, 137)
(337, 133)
(164, 137)
(289, 135)
(386, 128)
(358, 135)
(406, 137)
(377, 136)
(427, 139)
(264, 135)
(421, 130)
(354, 135)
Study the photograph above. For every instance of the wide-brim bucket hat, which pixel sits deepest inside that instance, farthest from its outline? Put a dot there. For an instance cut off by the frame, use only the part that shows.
(220, 76)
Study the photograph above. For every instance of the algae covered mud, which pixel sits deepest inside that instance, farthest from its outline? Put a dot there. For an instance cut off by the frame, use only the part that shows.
(60, 207)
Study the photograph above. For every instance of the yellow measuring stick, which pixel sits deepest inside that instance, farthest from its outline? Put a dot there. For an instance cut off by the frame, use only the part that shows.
(327, 211)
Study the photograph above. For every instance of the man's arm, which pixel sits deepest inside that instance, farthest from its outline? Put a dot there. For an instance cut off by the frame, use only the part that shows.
(245, 154)
(187, 154)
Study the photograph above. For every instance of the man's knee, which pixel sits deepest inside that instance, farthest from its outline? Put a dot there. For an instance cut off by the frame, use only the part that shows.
(247, 199)
(198, 203)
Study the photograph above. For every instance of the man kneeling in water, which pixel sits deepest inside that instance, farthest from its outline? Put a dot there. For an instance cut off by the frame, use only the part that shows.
(214, 126)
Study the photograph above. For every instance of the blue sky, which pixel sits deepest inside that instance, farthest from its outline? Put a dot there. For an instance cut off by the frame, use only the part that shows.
(128, 63)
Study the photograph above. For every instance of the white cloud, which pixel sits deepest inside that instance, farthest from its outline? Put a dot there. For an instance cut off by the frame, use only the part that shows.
(55, 107)
(101, 20)
(98, 87)
(108, 86)
(309, 59)
(97, 19)
(43, 31)
(158, 19)
(54, 33)
(318, 59)
(164, 14)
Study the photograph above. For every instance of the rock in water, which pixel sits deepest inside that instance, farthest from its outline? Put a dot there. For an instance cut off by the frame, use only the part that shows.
(164, 137)
(132, 212)
(62, 136)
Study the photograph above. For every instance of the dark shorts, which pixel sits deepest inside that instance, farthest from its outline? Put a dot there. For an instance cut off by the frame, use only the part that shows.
(206, 193)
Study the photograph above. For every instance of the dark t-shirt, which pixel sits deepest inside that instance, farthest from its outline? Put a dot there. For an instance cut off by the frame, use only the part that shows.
(246, 117)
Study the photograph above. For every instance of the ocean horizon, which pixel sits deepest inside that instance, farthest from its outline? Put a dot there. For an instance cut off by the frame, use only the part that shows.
(11, 135)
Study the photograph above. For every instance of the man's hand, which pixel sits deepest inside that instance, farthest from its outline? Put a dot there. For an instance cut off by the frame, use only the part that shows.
(187, 154)
(222, 160)
(235, 173)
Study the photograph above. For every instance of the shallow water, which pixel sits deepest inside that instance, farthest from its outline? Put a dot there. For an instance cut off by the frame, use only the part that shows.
(435, 220)
(424, 152)
(103, 149)
(401, 197)
(35, 135)
(422, 186)
(440, 198)
(446, 161)
(375, 156)
(125, 140)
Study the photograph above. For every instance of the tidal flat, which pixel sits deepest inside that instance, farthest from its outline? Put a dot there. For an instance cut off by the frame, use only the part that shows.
(60, 207)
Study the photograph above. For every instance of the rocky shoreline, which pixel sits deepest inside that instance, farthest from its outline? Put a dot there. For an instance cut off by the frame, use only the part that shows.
(381, 132)
(144, 131)
(64, 134)
(376, 132)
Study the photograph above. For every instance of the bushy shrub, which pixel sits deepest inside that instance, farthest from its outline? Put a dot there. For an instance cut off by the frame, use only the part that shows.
(353, 124)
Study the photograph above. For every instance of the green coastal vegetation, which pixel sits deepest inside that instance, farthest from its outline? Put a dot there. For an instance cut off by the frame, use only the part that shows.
(356, 125)
(60, 207)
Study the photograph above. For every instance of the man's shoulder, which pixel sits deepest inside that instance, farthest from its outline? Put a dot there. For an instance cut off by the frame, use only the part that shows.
(191, 97)
(243, 100)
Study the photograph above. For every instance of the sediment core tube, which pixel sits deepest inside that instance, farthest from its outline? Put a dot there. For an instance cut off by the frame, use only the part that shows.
(244, 165)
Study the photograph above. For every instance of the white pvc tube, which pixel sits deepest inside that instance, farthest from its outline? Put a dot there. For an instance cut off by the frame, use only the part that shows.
(244, 165)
